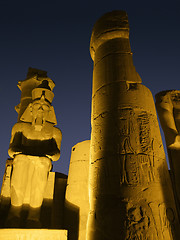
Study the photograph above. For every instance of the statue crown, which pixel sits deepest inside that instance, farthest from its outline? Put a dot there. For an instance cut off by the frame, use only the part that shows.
(43, 90)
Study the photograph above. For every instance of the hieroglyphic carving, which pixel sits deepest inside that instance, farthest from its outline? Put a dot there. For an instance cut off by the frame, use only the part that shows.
(136, 169)
(135, 143)
(134, 125)
(144, 131)
(140, 222)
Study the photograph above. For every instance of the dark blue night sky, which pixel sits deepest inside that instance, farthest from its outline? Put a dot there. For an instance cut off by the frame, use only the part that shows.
(55, 35)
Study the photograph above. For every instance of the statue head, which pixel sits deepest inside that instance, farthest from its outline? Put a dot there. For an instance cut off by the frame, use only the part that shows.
(40, 110)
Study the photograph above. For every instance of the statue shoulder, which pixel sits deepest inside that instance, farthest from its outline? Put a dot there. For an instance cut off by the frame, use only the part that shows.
(19, 127)
(57, 132)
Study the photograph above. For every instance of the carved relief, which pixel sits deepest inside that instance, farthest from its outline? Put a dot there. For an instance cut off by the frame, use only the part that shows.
(136, 169)
(134, 129)
(140, 223)
(135, 142)
(144, 131)
(167, 218)
(135, 149)
(132, 170)
(126, 128)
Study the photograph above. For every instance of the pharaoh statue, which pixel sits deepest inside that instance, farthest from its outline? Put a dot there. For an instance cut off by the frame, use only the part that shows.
(168, 108)
(34, 144)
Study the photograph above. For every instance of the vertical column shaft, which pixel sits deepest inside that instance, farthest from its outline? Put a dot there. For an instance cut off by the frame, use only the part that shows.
(128, 171)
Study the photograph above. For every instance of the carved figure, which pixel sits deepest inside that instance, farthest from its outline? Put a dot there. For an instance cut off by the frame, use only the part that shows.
(35, 142)
(168, 107)
(136, 224)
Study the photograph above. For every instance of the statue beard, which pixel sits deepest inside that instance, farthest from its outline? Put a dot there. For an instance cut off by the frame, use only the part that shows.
(39, 123)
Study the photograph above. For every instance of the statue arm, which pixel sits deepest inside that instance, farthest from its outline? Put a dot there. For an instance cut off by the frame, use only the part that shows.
(16, 141)
(57, 136)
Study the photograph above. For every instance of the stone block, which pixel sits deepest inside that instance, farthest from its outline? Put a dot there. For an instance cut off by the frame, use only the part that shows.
(33, 234)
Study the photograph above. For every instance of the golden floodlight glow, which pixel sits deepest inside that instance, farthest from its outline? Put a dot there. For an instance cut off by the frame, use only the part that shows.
(34, 144)
(118, 186)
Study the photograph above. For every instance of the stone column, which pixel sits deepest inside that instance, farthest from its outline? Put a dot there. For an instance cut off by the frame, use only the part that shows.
(77, 197)
(130, 190)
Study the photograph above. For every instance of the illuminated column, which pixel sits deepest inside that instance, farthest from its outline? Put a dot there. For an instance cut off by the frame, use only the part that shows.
(130, 190)
(77, 198)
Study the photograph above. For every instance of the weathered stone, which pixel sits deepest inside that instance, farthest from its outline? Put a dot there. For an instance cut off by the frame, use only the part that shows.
(131, 194)
(35, 143)
(34, 79)
(168, 108)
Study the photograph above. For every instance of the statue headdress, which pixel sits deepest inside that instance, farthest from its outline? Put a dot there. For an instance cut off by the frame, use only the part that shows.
(43, 90)
(41, 93)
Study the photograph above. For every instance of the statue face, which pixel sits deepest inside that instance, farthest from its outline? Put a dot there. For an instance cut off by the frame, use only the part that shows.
(40, 110)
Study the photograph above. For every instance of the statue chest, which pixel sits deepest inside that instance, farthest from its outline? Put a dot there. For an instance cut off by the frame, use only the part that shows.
(37, 146)
(31, 134)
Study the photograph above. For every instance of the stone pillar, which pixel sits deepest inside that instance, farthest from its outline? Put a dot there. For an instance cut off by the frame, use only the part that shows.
(77, 197)
(130, 189)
